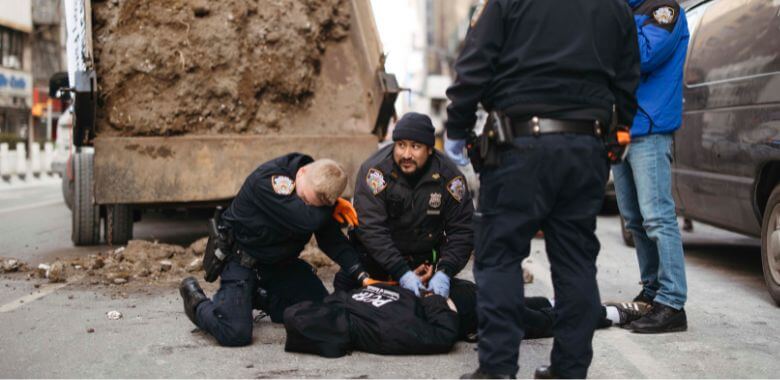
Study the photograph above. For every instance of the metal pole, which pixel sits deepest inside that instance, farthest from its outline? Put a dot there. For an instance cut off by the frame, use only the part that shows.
(30, 132)
(48, 121)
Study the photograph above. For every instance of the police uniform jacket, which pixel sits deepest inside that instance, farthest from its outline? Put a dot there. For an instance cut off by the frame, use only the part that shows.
(271, 223)
(528, 57)
(663, 35)
(379, 319)
(400, 224)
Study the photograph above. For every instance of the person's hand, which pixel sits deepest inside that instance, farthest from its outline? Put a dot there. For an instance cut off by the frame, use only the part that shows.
(440, 284)
(454, 150)
(424, 272)
(344, 213)
(411, 282)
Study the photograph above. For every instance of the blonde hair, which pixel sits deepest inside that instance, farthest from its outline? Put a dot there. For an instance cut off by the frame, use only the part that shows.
(327, 178)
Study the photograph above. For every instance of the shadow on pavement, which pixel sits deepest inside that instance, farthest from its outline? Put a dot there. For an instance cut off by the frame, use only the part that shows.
(743, 258)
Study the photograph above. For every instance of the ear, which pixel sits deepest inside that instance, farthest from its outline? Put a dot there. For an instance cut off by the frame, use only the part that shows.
(430, 150)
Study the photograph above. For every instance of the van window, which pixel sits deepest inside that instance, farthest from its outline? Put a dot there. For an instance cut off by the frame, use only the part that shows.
(694, 17)
(735, 39)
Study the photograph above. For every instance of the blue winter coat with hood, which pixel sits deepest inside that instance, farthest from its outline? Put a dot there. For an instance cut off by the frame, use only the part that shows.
(662, 32)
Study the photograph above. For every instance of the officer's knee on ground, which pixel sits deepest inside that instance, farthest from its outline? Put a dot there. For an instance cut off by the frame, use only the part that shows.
(235, 336)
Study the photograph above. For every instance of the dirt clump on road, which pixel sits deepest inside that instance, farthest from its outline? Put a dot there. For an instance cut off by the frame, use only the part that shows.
(139, 261)
(172, 67)
(148, 263)
(11, 265)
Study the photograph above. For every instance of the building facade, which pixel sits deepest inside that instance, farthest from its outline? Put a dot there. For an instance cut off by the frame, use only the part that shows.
(16, 80)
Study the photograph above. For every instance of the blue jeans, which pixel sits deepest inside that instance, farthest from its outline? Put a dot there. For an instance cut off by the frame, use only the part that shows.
(643, 185)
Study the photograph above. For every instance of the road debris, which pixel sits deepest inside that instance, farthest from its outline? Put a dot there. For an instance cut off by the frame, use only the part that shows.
(114, 315)
(195, 265)
(10, 265)
(56, 272)
(165, 265)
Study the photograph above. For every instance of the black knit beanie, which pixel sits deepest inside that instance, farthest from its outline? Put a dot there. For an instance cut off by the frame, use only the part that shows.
(416, 127)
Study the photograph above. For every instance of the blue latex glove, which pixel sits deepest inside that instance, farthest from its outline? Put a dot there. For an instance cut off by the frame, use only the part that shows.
(440, 284)
(410, 281)
(454, 150)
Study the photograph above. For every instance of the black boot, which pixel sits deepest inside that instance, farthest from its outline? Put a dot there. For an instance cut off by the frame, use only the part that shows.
(642, 297)
(545, 372)
(480, 374)
(660, 319)
(192, 295)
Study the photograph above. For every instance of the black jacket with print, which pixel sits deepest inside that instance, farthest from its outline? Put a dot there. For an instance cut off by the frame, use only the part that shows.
(378, 319)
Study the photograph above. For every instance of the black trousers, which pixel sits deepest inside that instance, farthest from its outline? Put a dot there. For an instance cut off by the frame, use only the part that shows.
(228, 316)
(554, 183)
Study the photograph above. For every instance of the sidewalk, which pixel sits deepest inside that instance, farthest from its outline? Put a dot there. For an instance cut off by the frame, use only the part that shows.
(30, 181)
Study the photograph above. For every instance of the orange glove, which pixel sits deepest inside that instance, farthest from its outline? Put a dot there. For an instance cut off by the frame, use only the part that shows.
(345, 213)
(371, 281)
(617, 144)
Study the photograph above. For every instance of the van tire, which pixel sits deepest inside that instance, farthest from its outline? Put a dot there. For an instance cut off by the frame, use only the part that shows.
(118, 224)
(85, 214)
(770, 244)
(67, 190)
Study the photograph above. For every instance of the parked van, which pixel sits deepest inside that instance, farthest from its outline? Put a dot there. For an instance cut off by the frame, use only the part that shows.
(727, 154)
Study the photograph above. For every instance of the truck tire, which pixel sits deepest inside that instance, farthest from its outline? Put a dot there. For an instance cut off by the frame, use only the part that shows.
(67, 190)
(628, 237)
(770, 244)
(118, 224)
(85, 221)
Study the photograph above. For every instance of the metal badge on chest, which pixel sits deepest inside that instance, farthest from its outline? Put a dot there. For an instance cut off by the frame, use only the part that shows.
(434, 204)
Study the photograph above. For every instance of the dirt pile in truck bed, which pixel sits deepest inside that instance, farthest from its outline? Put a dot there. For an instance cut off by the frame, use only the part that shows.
(171, 67)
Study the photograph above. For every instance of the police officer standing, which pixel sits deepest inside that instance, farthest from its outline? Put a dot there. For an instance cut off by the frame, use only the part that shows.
(549, 72)
(280, 205)
(414, 208)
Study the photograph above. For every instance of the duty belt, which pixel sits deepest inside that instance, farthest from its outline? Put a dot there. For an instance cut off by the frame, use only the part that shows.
(537, 126)
(245, 259)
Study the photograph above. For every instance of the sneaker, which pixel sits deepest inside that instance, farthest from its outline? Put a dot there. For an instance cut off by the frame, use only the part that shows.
(629, 311)
(660, 319)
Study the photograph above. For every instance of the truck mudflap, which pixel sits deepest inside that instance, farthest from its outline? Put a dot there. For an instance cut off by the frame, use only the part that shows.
(182, 169)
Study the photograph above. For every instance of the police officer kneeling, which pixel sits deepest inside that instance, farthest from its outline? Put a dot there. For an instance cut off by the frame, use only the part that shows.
(414, 207)
(280, 205)
(549, 72)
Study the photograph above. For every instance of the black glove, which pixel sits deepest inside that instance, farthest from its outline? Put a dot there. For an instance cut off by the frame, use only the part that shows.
(617, 143)
(358, 273)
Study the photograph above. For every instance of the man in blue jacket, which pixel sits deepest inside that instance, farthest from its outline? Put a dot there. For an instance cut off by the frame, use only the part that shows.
(643, 180)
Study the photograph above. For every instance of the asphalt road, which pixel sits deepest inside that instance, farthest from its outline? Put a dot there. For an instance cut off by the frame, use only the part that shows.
(733, 324)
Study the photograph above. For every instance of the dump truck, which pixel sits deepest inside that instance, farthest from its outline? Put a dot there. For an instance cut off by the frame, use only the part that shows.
(177, 101)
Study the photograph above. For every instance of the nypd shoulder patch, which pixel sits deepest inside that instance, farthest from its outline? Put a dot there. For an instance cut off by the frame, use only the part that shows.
(282, 185)
(375, 181)
(664, 15)
(457, 188)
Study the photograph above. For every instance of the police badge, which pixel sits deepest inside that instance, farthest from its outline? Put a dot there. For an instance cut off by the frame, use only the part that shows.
(435, 200)
(282, 185)
(375, 181)
(457, 188)
(664, 15)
